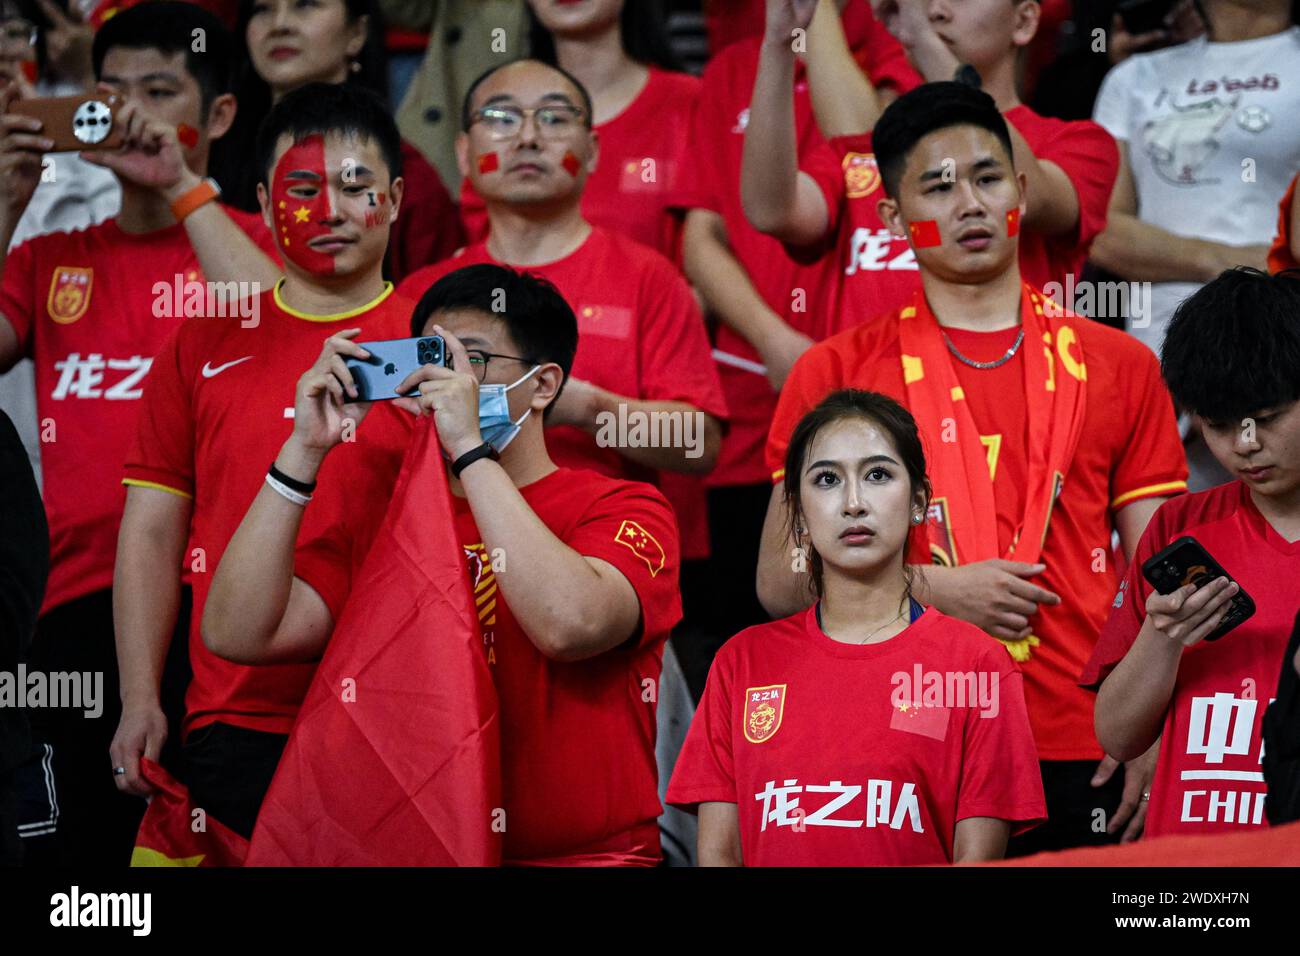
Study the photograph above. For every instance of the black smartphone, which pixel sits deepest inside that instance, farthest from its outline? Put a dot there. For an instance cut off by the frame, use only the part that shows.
(1143, 16)
(1185, 562)
(391, 361)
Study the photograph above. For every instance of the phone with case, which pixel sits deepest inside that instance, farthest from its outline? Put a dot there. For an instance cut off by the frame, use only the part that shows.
(1186, 561)
(76, 123)
(390, 362)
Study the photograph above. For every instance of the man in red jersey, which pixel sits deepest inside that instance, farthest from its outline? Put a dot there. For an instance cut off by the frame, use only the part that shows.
(1231, 356)
(92, 308)
(642, 353)
(1028, 413)
(764, 300)
(216, 409)
(574, 572)
(1069, 167)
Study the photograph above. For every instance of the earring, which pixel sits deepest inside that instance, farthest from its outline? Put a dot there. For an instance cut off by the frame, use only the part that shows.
(355, 66)
(918, 518)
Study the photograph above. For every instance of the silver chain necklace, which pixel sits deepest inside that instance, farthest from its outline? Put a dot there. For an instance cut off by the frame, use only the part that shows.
(996, 362)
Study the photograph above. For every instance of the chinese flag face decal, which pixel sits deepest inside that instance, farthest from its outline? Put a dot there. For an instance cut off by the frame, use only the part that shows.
(1013, 222)
(924, 233)
(300, 199)
(488, 163)
(637, 539)
(572, 164)
(764, 708)
(188, 135)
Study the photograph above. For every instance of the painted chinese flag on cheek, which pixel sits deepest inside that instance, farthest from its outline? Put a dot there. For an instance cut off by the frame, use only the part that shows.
(299, 220)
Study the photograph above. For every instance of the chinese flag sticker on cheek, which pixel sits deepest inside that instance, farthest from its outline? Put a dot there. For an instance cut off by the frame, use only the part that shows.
(572, 164)
(924, 233)
(1013, 221)
(488, 163)
(188, 135)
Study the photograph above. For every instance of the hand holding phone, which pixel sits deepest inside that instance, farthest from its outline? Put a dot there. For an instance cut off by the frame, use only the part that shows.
(1186, 562)
(391, 361)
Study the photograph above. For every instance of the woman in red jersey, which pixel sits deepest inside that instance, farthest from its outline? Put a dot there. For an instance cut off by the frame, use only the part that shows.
(868, 729)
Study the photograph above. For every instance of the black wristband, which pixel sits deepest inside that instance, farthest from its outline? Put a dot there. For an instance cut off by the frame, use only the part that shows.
(484, 450)
(302, 487)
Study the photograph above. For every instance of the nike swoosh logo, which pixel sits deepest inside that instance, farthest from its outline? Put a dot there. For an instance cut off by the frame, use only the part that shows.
(209, 371)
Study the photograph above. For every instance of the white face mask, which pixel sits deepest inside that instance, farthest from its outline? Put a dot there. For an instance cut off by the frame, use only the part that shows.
(494, 421)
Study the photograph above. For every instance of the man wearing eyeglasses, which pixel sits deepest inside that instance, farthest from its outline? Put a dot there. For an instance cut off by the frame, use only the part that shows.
(643, 394)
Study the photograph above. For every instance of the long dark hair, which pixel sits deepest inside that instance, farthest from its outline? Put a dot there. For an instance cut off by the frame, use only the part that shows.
(879, 410)
(642, 27)
(230, 164)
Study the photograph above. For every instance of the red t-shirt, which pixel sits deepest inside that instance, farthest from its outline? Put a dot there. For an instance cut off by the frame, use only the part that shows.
(1279, 253)
(854, 755)
(218, 406)
(92, 318)
(1208, 777)
(1129, 450)
(713, 182)
(873, 272)
(577, 739)
(640, 335)
(636, 183)
(996, 399)
(428, 227)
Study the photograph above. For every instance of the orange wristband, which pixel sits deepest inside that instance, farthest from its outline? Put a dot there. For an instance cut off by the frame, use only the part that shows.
(200, 195)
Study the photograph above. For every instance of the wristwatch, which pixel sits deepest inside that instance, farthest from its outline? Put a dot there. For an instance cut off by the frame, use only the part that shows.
(484, 450)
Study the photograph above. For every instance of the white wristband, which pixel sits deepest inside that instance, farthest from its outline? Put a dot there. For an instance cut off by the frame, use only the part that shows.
(280, 488)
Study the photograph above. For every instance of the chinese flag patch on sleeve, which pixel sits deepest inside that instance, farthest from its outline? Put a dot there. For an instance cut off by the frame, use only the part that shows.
(631, 535)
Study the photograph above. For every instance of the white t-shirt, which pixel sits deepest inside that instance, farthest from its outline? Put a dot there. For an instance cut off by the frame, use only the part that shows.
(1213, 134)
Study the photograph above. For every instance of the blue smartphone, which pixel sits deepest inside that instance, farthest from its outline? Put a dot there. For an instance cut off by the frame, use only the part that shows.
(391, 361)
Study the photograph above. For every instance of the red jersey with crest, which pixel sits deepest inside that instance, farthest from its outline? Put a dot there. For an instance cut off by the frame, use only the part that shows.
(860, 754)
(1208, 775)
(1129, 449)
(636, 183)
(91, 308)
(640, 334)
(872, 272)
(790, 288)
(218, 406)
(579, 779)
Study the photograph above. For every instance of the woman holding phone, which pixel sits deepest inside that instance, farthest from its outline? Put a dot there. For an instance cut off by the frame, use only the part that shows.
(867, 730)
(285, 44)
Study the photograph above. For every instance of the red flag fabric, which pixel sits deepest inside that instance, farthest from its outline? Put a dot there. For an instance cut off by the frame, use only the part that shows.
(168, 834)
(394, 759)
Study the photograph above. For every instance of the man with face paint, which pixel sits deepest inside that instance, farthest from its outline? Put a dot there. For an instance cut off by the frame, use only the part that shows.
(830, 196)
(216, 409)
(83, 306)
(528, 148)
(573, 624)
(1046, 433)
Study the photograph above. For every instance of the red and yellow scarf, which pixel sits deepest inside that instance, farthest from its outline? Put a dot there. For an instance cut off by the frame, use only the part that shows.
(963, 526)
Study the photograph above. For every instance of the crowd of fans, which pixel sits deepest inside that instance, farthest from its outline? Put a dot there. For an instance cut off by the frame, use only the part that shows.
(840, 392)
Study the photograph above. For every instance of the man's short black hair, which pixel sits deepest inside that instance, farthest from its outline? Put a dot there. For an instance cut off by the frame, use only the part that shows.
(466, 118)
(539, 319)
(1232, 347)
(924, 110)
(323, 108)
(170, 27)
